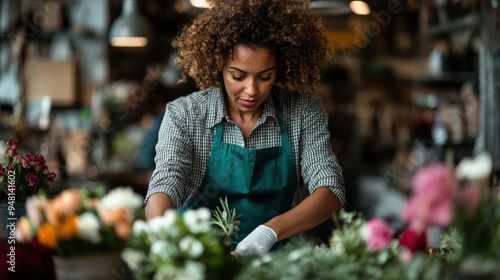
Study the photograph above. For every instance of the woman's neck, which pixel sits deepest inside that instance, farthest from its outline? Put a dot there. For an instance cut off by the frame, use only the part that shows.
(245, 120)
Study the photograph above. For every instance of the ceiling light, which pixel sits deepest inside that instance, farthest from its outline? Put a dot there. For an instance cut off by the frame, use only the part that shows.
(199, 4)
(130, 29)
(359, 7)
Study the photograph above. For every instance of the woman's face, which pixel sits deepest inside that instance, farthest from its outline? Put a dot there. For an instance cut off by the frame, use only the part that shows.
(248, 78)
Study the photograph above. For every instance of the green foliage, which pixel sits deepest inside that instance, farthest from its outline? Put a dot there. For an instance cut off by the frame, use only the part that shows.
(346, 258)
(226, 221)
(451, 245)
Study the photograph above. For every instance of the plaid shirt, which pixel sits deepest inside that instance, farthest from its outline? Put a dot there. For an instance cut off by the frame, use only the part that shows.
(188, 127)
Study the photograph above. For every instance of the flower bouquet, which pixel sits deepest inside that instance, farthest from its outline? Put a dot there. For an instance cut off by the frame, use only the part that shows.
(81, 221)
(82, 225)
(463, 203)
(183, 246)
(22, 175)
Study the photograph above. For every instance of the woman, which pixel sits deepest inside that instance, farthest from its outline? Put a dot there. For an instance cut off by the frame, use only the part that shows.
(248, 135)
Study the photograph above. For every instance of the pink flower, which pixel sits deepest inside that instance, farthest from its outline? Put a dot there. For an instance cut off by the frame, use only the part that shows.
(10, 152)
(432, 198)
(434, 178)
(413, 241)
(38, 166)
(32, 179)
(38, 162)
(377, 234)
(39, 159)
(405, 256)
(12, 144)
(51, 176)
(26, 160)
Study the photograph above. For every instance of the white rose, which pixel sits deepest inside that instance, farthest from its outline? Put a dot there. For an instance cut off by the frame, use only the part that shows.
(122, 197)
(193, 271)
(191, 246)
(198, 220)
(35, 206)
(88, 227)
(478, 168)
(139, 227)
(169, 217)
(158, 247)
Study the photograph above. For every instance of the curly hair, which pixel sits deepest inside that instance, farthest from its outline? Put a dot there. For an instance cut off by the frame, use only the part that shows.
(287, 27)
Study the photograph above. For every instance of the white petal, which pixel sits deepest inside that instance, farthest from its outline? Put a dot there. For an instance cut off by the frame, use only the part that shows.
(139, 227)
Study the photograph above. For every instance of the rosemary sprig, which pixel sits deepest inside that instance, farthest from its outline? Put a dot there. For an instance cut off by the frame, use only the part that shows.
(226, 219)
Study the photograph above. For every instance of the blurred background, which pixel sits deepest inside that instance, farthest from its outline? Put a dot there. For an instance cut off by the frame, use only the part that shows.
(85, 82)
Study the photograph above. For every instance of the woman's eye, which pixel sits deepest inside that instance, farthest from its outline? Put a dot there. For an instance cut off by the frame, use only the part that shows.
(265, 79)
(238, 78)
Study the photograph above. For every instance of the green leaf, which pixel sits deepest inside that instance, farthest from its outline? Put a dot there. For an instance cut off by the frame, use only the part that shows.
(226, 219)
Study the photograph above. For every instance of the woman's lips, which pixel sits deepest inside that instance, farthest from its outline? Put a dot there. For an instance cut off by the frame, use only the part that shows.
(248, 103)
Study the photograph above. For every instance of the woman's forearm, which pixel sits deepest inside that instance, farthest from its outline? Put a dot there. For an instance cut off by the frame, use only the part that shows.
(315, 209)
(157, 204)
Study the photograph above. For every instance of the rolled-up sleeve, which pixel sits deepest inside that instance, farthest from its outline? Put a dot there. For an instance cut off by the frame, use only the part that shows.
(320, 167)
(173, 157)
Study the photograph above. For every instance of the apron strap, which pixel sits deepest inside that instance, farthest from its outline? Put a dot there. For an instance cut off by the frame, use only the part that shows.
(218, 133)
(285, 141)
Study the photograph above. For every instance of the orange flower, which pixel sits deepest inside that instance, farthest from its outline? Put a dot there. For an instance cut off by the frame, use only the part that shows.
(122, 229)
(67, 229)
(54, 216)
(47, 236)
(62, 206)
(115, 216)
(69, 201)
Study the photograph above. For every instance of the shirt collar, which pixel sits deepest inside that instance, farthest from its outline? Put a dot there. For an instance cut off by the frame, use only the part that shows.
(219, 112)
(216, 97)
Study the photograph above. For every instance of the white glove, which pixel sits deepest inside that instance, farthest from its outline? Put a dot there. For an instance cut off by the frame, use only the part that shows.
(258, 242)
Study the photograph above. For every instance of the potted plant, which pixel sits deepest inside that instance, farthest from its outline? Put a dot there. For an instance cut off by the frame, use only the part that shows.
(20, 176)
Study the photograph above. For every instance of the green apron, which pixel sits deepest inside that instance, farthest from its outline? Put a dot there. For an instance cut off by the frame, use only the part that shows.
(259, 183)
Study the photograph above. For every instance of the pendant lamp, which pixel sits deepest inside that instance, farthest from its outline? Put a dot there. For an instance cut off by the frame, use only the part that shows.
(359, 7)
(130, 29)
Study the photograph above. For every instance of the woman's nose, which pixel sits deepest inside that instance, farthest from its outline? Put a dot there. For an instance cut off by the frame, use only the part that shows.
(251, 87)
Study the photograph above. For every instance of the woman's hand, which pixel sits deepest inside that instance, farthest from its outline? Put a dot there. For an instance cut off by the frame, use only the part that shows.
(258, 242)
(312, 211)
